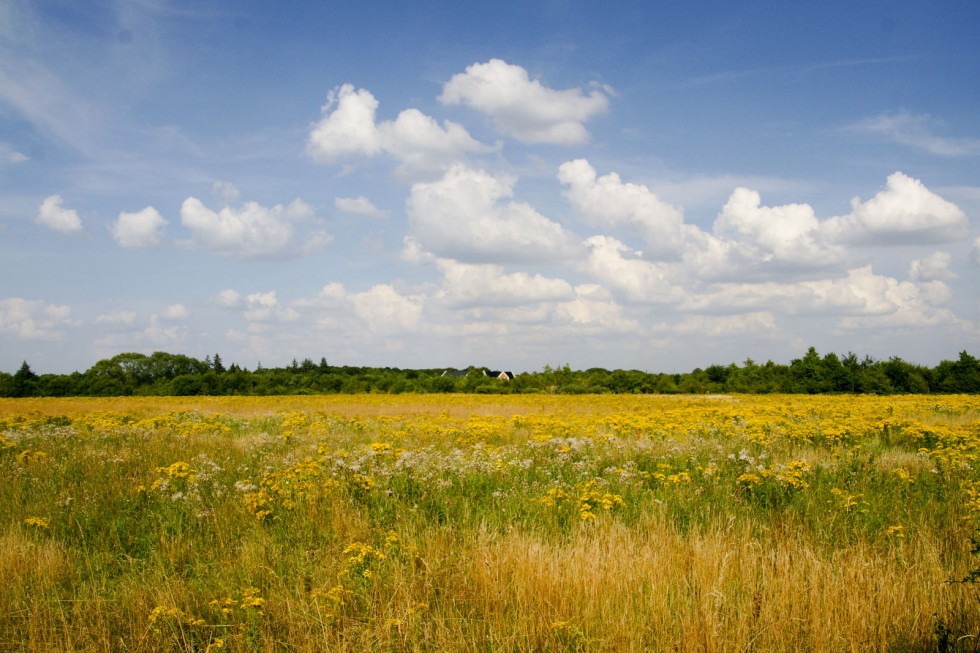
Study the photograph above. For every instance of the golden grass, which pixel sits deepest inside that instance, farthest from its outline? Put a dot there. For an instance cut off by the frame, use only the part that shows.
(463, 523)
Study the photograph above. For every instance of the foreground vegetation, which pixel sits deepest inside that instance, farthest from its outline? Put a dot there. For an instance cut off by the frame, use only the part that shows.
(163, 374)
(507, 523)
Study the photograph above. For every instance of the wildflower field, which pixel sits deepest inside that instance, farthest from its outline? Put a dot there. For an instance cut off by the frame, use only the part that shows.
(490, 523)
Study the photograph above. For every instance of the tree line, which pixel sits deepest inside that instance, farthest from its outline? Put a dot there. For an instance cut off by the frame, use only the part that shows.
(167, 374)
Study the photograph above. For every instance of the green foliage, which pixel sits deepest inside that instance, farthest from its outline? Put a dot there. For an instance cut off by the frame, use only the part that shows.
(167, 374)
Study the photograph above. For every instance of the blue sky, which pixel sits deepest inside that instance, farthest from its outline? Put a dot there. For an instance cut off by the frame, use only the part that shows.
(647, 185)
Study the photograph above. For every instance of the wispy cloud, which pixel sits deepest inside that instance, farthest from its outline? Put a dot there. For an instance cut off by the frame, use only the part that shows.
(726, 76)
(918, 131)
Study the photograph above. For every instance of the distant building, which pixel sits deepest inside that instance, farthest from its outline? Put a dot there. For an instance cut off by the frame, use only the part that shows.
(462, 374)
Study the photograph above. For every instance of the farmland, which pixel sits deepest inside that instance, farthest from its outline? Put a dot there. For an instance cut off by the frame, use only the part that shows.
(490, 523)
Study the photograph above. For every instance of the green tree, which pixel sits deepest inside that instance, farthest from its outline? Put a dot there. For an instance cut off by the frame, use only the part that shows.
(25, 381)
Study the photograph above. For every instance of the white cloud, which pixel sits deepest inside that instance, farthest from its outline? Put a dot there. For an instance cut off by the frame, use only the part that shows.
(468, 216)
(417, 141)
(621, 269)
(8, 155)
(975, 251)
(359, 206)
(716, 326)
(861, 299)
(607, 202)
(781, 234)
(140, 230)
(30, 319)
(53, 215)
(935, 292)
(260, 306)
(905, 212)
(593, 308)
(384, 310)
(175, 312)
(747, 239)
(523, 108)
(126, 318)
(253, 231)
(226, 191)
(228, 298)
(347, 126)
(265, 307)
(917, 131)
(488, 285)
(159, 335)
(933, 267)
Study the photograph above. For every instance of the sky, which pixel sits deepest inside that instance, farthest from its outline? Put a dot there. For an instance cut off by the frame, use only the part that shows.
(639, 185)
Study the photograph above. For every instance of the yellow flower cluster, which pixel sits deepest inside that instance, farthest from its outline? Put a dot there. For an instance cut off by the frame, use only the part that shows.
(170, 615)
(29, 457)
(250, 599)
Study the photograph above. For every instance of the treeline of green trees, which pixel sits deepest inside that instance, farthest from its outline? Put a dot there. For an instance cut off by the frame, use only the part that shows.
(175, 374)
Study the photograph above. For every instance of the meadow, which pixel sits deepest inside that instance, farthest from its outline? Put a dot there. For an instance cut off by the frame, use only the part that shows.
(490, 523)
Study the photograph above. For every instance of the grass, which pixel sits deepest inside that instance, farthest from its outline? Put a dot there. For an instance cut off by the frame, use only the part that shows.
(455, 523)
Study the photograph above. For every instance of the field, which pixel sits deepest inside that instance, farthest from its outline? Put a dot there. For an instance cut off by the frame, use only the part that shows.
(509, 523)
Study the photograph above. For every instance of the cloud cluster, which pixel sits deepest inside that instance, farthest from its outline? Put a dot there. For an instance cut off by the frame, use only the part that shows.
(54, 216)
(469, 215)
(522, 108)
(251, 231)
(470, 226)
(31, 319)
(140, 230)
(905, 212)
(593, 260)
(518, 107)
(361, 206)
(349, 128)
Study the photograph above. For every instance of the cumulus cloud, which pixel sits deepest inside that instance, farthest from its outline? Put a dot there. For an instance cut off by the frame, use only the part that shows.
(469, 215)
(140, 230)
(861, 299)
(264, 307)
(30, 319)
(975, 251)
(252, 231)
(787, 234)
(606, 202)
(747, 238)
(175, 312)
(228, 298)
(489, 285)
(623, 271)
(593, 308)
(523, 108)
(161, 335)
(384, 310)
(417, 141)
(125, 318)
(934, 267)
(918, 131)
(905, 212)
(53, 215)
(347, 126)
(359, 206)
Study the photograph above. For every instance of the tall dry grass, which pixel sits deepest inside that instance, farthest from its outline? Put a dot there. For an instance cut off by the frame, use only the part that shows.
(450, 524)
